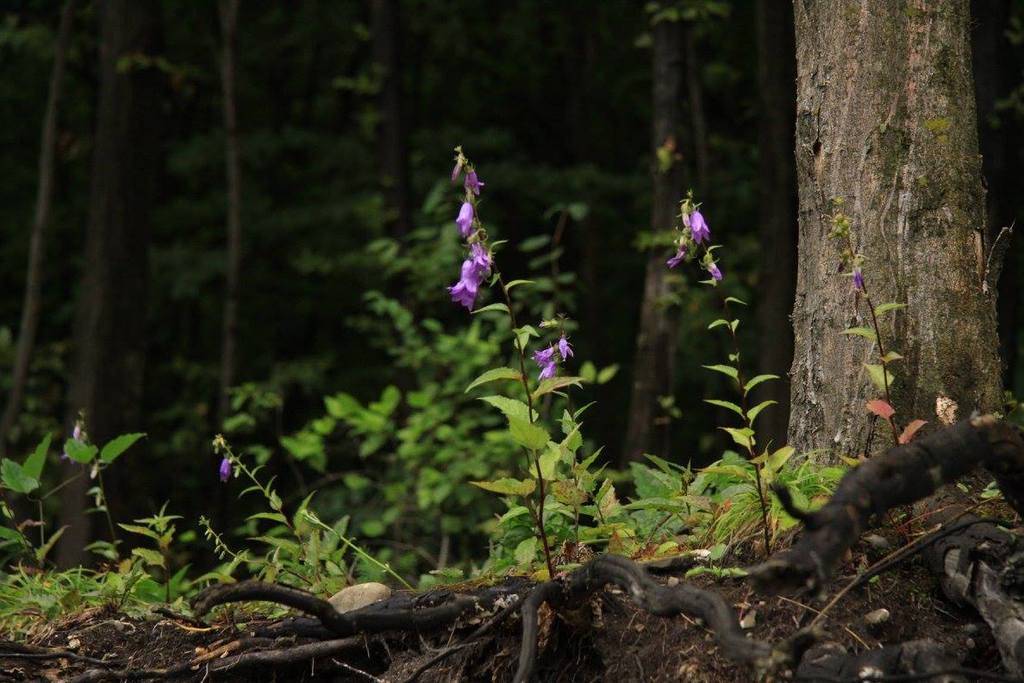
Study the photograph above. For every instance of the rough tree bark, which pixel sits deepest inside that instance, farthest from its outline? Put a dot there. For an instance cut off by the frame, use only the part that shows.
(32, 303)
(886, 125)
(106, 380)
(653, 365)
(776, 74)
(228, 10)
(392, 154)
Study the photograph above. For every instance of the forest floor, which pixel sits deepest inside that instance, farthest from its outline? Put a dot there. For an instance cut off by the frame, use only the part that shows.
(606, 639)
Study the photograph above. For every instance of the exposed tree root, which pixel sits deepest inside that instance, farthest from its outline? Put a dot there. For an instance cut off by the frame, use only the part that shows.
(901, 476)
(912, 660)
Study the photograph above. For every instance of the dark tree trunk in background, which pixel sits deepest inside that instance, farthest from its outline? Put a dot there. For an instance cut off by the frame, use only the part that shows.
(777, 202)
(695, 98)
(392, 152)
(886, 123)
(30, 307)
(229, 334)
(992, 55)
(109, 334)
(648, 430)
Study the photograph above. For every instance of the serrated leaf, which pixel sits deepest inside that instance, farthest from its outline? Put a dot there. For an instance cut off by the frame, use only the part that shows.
(865, 332)
(879, 375)
(141, 530)
(725, 404)
(79, 451)
(494, 375)
(527, 434)
(508, 486)
(492, 307)
(150, 557)
(725, 370)
(882, 309)
(554, 384)
(115, 447)
(568, 493)
(548, 462)
(880, 408)
(33, 465)
(607, 502)
(13, 476)
(754, 381)
(756, 410)
(509, 407)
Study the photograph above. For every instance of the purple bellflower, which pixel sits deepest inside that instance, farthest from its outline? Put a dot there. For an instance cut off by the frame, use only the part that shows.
(698, 227)
(715, 272)
(465, 219)
(225, 470)
(474, 269)
(456, 171)
(678, 258)
(564, 349)
(473, 183)
(545, 358)
(858, 280)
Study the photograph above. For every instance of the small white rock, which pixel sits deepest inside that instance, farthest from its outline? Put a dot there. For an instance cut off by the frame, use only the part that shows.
(878, 542)
(749, 619)
(673, 581)
(876, 617)
(359, 596)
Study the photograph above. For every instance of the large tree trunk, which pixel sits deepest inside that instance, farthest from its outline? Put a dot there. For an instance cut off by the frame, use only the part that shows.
(776, 73)
(886, 125)
(30, 308)
(392, 154)
(106, 381)
(653, 366)
(229, 334)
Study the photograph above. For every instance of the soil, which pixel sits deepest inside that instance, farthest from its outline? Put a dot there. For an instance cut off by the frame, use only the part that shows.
(605, 639)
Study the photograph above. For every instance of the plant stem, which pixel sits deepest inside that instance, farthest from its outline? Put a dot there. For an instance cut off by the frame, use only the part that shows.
(106, 509)
(539, 516)
(750, 426)
(885, 373)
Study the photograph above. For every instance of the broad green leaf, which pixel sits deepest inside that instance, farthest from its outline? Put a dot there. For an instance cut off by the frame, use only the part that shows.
(510, 407)
(882, 309)
(548, 461)
(33, 465)
(516, 283)
(865, 332)
(725, 370)
(756, 410)
(879, 375)
(80, 451)
(736, 471)
(890, 357)
(115, 447)
(554, 384)
(507, 486)
(754, 381)
(494, 375)
(568, 493)
(272, 516)
(607, 373)
(492, 307)
(141, 530)
(527, 434)
(777, 459)
(150, 557)
(14, 477)
(526, 551)
(607, 502)
(725, 404)
(743, 437)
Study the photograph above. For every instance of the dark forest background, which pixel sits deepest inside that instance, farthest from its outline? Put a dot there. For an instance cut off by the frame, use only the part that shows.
(347, 115)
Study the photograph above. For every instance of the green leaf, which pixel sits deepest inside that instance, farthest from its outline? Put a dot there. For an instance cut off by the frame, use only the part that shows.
(150, 557)
(754, 381)
(13, 476)
(891, 356)
(526, 551)
(879, 375)
(44, 550)
(494, 375)
(725, 370)
(777, 459)
(718, 323)
(567, 493)
(734, 300)
(507, 486)
(882, 309)
(33, 465)
(79, 451)
(743, 437)
(141, 530)
(756, 410)
(527, 434)
(492, 307)
(607, 502)
(865, 332)
(115, 447)
(548, 461)
(725, 404)
(516, 283)
(510, 407)
(554, 384)
(607, 373)
(272, 516)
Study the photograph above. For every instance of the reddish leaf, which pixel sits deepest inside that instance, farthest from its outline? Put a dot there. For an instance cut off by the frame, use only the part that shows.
(881, 408)
(910, 430)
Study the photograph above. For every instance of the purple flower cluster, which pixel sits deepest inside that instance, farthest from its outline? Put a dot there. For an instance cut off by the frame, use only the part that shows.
(478, 263)
(548, 360)
(695, 232)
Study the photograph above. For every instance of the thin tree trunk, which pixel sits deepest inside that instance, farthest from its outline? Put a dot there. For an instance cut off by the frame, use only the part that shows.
(777, 204)
(392, 152)
(30, 308)
(886, 125)
(229, 334)
(654, 363)
(695, 97)
(109, 333)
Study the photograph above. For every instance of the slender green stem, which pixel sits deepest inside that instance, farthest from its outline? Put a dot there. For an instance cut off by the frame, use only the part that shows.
(106, 510)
